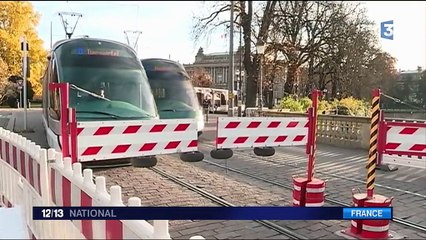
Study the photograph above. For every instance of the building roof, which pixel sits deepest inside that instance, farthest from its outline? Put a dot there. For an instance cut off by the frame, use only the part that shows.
(409, 72)
(219, 53)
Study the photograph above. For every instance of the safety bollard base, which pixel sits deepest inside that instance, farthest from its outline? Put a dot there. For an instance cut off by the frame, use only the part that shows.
(369, 229)
(376, 229)
(347, 234)
(299, 191)
(315, 193)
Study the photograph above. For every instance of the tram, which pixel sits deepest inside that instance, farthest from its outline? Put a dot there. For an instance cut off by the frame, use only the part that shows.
(107, 82)
(219, 98)
(173, 91)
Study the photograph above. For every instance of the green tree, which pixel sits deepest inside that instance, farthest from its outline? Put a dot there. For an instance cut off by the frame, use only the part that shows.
(17, 19)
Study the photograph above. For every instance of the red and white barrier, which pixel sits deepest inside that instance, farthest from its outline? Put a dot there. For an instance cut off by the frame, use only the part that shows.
(261, 132)
(72, 187)
(264, 133)
(31, 176)
(403, 143)
(123, 139)
(23, 177)
(106, 140)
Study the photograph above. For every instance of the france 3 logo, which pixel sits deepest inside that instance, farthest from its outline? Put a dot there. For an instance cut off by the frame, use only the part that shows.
(386, 30)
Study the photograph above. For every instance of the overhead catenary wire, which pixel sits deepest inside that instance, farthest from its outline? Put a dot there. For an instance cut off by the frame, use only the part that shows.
(65, 22)
(82, 26)
(401, 102)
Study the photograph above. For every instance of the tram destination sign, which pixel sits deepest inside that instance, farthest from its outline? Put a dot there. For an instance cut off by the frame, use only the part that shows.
(99, 52)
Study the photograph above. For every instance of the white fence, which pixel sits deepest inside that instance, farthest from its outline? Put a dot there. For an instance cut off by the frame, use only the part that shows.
(31, 176)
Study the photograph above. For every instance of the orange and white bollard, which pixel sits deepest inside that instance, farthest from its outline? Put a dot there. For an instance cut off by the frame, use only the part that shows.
(299, 190)
(376, 229)
(358, 200)
(370, 229)
(315, 193)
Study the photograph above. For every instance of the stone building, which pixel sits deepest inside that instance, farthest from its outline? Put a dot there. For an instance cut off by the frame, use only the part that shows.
(217, 66)
(409, 83)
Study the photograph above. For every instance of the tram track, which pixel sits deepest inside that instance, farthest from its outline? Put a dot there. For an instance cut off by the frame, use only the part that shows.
(271, 225)
(330, 200)
(317, 170)
(208, 195)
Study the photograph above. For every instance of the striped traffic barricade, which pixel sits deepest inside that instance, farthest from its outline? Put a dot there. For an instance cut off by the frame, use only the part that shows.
(262, 134)
(138, 140)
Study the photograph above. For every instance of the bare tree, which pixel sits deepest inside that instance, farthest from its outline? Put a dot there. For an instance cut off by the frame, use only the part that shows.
(248, 21)
(301, 29)
(318, 44)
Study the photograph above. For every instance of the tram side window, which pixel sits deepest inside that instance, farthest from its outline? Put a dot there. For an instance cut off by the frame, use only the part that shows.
(54, 95)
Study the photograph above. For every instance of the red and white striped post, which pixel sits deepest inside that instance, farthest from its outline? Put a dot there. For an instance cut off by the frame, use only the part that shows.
(73, 134)
(64, 97)
(309, 191)
(313, 134)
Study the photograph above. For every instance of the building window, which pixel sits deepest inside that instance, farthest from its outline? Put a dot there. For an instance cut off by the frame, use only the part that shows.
(219, 75)
(219, 78)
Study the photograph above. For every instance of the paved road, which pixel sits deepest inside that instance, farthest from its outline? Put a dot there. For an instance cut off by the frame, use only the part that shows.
(242, 190)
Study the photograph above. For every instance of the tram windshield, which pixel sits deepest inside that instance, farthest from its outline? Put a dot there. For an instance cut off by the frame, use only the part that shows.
(170, 86)
(107, 80)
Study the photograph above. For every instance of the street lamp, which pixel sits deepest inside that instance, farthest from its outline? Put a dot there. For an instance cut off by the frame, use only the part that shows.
(260, 48)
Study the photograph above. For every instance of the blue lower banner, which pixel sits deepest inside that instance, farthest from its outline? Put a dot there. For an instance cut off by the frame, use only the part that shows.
(210, 213)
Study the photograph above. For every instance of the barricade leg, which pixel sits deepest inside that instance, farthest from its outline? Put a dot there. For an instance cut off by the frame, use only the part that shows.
(220, 153)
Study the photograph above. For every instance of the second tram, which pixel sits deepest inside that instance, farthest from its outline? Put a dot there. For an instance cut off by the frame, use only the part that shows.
(173, 91)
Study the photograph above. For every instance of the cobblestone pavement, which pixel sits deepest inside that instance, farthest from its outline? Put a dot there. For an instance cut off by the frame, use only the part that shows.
(154, 190)
(237, 189)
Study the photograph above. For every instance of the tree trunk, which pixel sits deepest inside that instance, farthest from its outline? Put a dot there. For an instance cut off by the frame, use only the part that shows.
(310, 84)
(334, 88)
(291, 79)
(251, 87)
(251, 66)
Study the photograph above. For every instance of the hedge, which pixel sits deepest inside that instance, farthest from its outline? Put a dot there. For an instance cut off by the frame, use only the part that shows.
(357, 107)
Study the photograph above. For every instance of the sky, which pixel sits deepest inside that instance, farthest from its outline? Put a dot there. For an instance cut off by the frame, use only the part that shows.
(166, 27)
